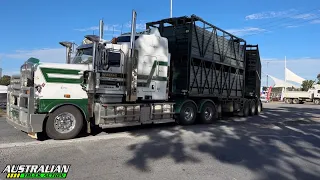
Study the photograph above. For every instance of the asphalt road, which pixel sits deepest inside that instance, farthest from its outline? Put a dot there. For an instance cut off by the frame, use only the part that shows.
(282, 143)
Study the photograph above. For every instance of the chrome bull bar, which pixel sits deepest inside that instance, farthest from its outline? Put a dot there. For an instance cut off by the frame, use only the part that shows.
(21, 109)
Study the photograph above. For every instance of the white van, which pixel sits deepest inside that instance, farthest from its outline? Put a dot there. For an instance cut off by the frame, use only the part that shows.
(3, 96)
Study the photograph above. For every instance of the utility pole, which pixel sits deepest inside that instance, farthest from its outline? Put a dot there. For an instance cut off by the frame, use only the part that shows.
(267, 75)
(285, 73)
(170, 8)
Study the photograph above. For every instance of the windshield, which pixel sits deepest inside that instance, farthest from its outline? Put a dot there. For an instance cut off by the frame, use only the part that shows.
(83, 56)
(125, 38)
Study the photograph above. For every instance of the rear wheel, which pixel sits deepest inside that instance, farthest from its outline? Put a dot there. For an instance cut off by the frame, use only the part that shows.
(208, 113)
(188, 114)
(288, 101)
(296, 101)
(258, 107)
(317, 101)
(246, 109)
(65, 122)
(252, 107)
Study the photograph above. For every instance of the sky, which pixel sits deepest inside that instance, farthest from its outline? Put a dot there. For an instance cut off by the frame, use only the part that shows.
(288, 28)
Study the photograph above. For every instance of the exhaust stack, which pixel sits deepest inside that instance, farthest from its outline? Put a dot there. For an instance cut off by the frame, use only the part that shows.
(101, 29)
(133, 32)
(132, 64)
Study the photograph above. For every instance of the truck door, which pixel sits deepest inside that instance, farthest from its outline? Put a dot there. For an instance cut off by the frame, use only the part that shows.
(112, 79)
(317, 94)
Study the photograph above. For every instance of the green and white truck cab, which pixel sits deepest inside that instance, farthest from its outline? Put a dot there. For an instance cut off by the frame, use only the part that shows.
(40, 89)
(59, 98)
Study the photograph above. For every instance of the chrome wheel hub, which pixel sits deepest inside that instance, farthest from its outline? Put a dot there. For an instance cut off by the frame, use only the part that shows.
(188, 112)
(64, 122)
(208, 113)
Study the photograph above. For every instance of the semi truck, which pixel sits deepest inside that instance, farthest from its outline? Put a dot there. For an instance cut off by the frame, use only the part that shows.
(298, 97)
(180, 69)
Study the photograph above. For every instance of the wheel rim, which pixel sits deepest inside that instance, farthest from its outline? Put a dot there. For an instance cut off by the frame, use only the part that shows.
(208, 113)
(64, 122)
(188, 114)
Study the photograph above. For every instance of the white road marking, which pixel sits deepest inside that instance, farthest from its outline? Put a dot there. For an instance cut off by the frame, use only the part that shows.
(56, 142)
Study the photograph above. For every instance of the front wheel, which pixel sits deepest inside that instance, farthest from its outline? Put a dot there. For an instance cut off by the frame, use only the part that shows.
(64, 123)
(317, 101)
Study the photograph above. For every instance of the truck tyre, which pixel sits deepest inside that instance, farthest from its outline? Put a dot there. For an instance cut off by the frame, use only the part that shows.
(64, 123)
(288, 101)
(258, 107)
(317, 101)
(208, 113)
(252, 107)
(188, 114)
(246, 109)
(296, 101)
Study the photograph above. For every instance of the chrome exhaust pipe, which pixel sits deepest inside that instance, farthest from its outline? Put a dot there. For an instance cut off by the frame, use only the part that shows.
(133, 32)
(101, 24)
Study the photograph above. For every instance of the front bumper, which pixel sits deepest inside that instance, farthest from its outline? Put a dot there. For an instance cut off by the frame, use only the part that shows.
(21, 108)
(35, 123)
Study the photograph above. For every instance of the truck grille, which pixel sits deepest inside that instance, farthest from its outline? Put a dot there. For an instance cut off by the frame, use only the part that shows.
(20, 100)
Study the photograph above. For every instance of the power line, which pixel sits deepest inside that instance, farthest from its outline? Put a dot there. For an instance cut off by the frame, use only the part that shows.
(292, 15)
(275, 27)
(286, 18)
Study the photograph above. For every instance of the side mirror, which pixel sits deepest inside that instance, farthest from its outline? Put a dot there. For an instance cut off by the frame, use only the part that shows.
(69, 50)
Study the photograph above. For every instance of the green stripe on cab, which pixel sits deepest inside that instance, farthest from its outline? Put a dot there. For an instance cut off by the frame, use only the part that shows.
(46, 71)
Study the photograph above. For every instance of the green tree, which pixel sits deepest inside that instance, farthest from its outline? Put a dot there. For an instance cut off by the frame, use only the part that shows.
(307, 84)
(5, 80)
(318, 78)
